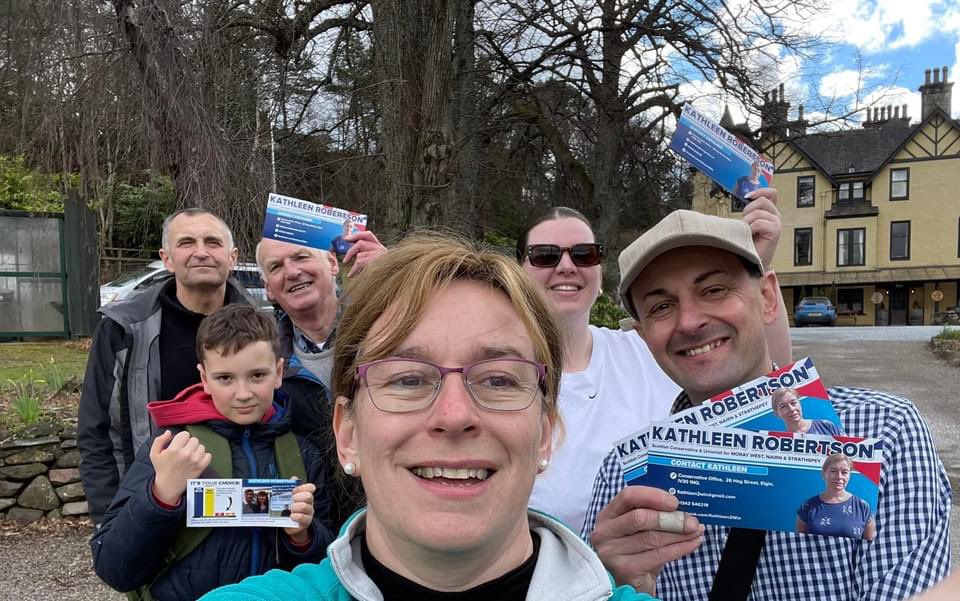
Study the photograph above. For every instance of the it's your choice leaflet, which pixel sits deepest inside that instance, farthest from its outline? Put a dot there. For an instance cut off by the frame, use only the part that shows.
(224, 502)
(729, 462)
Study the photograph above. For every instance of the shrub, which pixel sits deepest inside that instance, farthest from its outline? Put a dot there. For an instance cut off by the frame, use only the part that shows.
(27, 400)
(607, 313)
(54, 379)
(948, 333)
(24, 189)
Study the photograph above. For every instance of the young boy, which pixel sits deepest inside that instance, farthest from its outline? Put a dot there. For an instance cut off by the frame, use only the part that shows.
(239, 400)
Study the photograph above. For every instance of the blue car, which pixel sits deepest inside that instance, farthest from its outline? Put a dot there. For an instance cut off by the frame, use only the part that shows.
(814, 309)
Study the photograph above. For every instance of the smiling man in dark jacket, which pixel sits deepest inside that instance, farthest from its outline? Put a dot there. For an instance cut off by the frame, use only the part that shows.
(144, 349)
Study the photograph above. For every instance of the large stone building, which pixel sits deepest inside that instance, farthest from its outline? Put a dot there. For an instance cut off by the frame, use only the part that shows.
(871, 215)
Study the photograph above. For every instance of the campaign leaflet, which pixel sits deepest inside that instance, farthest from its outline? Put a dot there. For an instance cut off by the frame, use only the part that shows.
(764, 480)
(767, 478)
(213, 502)
(720, 155)
(747, 406)
(750, 405)
(310, 224)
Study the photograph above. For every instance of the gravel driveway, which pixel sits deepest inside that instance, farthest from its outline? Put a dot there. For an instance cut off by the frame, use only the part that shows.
(50, 562)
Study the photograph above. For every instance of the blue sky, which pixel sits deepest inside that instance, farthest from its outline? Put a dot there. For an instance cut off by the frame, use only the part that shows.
(877, 53)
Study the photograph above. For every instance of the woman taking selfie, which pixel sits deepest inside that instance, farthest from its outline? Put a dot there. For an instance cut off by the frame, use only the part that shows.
(446, 373)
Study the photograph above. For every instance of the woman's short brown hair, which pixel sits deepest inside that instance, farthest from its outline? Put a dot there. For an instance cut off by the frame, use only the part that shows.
(402, 282)
(231, 328)
(836, 458)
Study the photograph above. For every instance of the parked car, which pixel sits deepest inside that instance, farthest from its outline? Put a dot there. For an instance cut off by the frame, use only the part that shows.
(131, 284)
(814, 309)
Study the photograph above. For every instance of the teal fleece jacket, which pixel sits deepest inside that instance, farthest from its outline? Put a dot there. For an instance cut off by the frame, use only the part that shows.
(567, 570)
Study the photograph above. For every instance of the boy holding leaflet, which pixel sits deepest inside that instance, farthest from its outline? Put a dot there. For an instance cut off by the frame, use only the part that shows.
(142, 543)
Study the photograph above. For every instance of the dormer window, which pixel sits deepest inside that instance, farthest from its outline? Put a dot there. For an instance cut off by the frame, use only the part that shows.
(850, 191)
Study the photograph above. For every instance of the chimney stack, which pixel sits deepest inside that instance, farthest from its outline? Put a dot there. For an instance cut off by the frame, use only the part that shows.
(799, 127)
(935, 94)
(774, 113)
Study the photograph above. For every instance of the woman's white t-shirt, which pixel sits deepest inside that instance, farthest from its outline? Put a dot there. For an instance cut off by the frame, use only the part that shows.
(621, 391)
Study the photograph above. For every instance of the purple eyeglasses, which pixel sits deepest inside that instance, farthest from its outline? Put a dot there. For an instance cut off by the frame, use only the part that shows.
(398, 385)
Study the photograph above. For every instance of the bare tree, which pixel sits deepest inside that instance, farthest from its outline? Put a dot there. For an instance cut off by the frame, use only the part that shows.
(627, 59)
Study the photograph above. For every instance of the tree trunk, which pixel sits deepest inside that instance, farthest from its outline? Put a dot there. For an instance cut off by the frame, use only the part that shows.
(413, 41)
(187, 145)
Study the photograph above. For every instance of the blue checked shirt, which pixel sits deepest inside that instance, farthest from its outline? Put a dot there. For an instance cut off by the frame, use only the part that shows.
(910, 552)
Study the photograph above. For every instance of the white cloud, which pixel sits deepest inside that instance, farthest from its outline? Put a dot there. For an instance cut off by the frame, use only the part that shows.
(956, 71)
(848, 82)
(881, 25)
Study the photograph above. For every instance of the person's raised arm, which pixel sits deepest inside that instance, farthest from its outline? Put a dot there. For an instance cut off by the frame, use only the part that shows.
(763, 217)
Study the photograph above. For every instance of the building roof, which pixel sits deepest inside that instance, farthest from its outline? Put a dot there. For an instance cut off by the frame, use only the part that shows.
(855, 150)
(870, 276)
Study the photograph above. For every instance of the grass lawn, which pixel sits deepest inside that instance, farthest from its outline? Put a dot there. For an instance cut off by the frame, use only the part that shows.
(16, 359)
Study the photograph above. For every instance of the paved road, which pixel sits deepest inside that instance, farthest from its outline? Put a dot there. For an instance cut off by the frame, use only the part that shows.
(884, 334)
(896, 360)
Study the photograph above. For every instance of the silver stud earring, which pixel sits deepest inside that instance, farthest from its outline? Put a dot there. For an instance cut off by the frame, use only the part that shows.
(543, 465)
(349, 468)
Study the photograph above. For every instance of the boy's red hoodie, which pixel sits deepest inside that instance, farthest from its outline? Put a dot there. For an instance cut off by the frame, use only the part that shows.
(192, 405)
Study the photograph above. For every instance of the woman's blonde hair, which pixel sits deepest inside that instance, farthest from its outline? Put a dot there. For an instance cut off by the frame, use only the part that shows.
(402, 281)
(778, 395)
(836, 458)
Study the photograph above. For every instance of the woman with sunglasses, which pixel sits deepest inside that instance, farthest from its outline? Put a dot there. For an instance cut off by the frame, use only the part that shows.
(611, 385)
(446, 427)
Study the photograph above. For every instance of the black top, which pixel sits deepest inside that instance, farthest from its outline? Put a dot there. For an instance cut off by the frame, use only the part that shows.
(512, 586)
(178, 342)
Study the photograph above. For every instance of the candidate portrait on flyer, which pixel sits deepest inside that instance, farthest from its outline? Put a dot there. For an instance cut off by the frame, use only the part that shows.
(249, 501)
(789, 406)
(835, 511)
(262, 504)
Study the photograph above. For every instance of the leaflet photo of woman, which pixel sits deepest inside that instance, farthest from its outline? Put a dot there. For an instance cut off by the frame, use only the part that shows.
(787, 406)
(746, 184)
(263, 502)
(338, 245)
(836, 512)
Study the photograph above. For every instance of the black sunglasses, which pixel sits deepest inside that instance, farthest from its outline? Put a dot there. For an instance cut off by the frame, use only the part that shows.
(548, 255)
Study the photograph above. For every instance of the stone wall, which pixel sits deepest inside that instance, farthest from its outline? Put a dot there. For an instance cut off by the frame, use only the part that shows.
(39, 475)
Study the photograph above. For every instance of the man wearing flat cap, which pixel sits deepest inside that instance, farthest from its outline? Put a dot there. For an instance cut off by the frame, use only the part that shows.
(700, 298)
